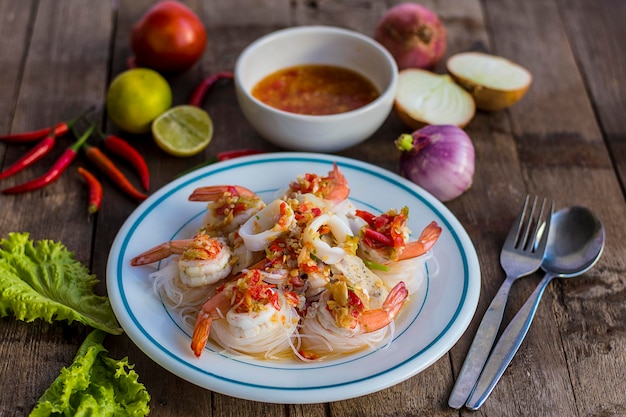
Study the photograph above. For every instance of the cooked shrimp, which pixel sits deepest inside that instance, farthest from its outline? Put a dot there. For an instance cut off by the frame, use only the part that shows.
(388, 252)
(341, 321)
(333, 187)
(388, 235)
(423, 244)
(204, 259)
(229, 207)
(215, 192)
(214, 308)
(350, 307)
(372, 320)
(258, 317)
(307, 274)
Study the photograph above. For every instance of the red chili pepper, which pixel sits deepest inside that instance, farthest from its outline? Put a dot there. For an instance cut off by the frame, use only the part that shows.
(367, 216)
(107, 166)
(378, 237)
(124, 150)
(236, 153)
(59, 130)
(30, 157)
(55, 171)
(95, 190)
(354, 300)
(197, 97)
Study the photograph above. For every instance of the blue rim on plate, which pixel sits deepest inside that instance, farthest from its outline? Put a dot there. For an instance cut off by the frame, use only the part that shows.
(429, 325)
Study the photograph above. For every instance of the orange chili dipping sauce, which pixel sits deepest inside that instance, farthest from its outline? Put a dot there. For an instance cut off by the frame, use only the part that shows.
(315, 90)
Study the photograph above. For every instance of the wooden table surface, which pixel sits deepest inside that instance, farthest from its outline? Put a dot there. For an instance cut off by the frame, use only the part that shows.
(566, 139)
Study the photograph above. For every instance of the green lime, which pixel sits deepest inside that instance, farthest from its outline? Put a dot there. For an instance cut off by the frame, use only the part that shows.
(136, 97)
(183, 130)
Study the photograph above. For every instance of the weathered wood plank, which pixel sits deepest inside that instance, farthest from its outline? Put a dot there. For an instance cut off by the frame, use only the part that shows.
(62, 74)
(59, 57)
(599, 297)
(596, 35)
(15, 31)
(555, 112)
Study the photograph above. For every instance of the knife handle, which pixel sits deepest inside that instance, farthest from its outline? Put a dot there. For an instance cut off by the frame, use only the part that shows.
(481, 346)
(507, 346)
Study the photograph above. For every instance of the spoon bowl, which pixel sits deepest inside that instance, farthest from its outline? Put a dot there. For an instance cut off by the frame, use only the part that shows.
(575, 243)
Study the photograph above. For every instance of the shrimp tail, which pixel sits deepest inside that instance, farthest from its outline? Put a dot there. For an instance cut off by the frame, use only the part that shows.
(214, 192)
(159, 252)
(211, 310)
(339, 189)
(372, 320)
(201, 333)
(423, 244)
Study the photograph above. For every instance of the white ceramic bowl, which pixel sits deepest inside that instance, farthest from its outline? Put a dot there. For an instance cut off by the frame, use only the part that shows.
(316, 45)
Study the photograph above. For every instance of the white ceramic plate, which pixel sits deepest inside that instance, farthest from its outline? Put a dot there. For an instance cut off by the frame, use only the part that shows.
(429, 325)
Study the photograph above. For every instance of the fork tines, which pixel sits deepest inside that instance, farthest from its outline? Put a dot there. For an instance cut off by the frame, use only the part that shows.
(531, 222)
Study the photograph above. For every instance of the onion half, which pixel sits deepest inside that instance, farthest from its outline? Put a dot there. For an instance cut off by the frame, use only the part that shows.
(426, 98)
(495, 82)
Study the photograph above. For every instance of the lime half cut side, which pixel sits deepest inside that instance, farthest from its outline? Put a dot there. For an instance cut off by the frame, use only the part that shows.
(183, 130)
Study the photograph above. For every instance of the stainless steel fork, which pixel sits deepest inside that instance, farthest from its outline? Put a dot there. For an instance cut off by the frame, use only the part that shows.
(521, 255)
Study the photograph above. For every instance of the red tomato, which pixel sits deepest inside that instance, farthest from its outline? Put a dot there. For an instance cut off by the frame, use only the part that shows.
(169, 37)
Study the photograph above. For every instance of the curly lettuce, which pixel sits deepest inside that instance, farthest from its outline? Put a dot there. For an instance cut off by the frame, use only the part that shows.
(94, 385)
(42, 280)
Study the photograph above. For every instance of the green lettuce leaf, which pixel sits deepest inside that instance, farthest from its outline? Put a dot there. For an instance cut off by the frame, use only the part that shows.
(94, 385)
(42, 280)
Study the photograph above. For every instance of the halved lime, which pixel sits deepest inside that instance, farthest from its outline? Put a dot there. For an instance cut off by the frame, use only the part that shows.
(183, 130)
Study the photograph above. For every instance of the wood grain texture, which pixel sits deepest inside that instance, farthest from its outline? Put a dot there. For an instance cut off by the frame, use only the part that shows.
(565, 139)
(596, 36)
(15, 32)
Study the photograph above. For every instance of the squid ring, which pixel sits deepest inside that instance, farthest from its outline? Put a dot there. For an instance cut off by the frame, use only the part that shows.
(266, 225)
(338, 228)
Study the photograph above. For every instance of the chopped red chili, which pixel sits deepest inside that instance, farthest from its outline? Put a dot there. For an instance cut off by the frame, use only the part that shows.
(55, 171)
(354, 300)
(374, 236)
(366, 215)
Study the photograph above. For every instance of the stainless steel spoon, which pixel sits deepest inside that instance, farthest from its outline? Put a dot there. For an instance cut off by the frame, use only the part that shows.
(575, 243)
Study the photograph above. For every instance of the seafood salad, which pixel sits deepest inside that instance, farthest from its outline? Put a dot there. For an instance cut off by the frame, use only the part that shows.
(307, 275)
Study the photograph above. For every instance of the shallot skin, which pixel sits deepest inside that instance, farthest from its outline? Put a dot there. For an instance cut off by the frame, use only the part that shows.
(439, 158)
(413, 35)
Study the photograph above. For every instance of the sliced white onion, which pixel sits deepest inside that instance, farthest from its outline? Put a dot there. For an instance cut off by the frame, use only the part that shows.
(426, 98)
